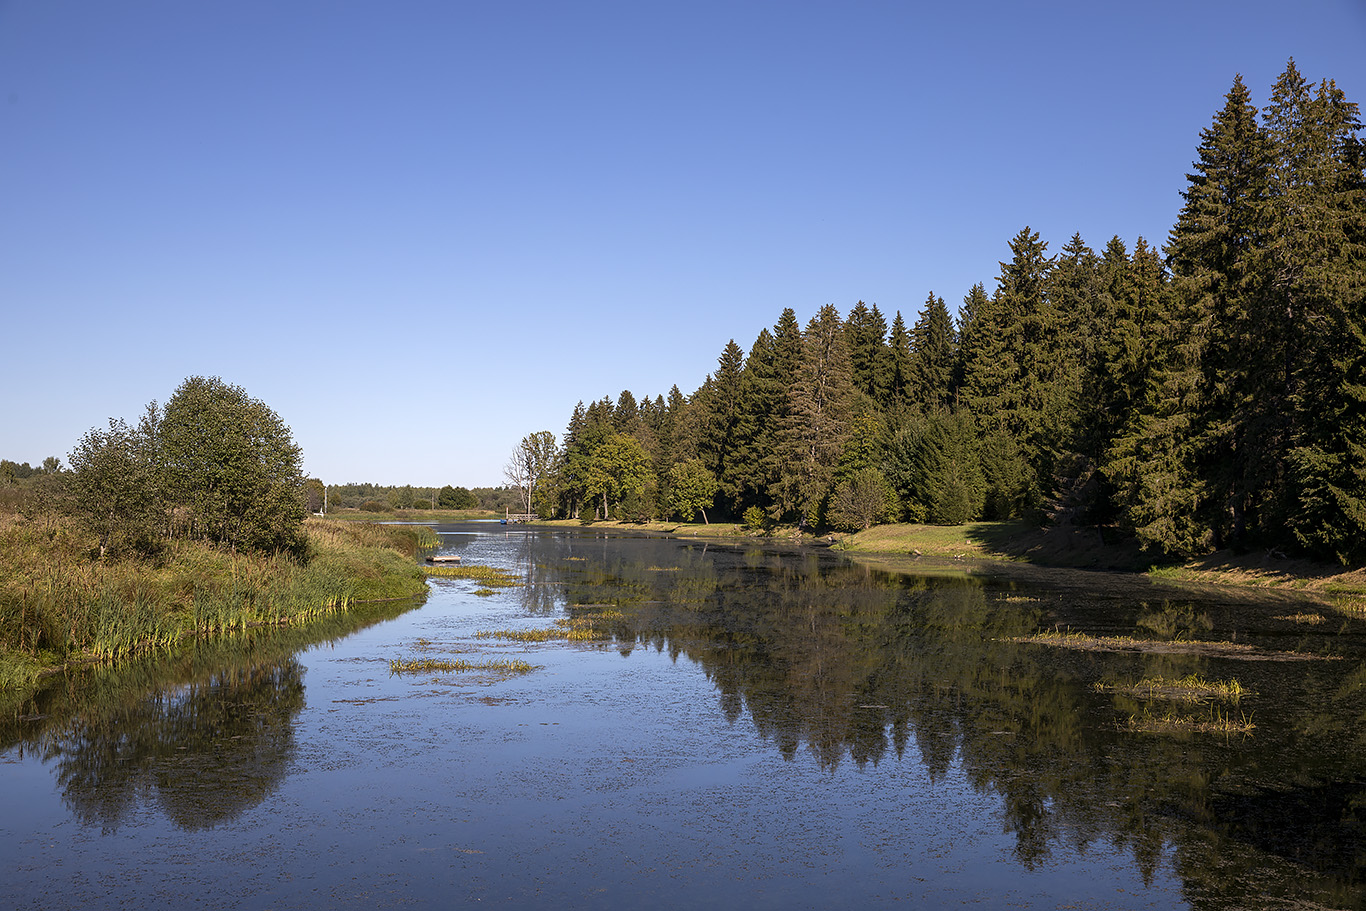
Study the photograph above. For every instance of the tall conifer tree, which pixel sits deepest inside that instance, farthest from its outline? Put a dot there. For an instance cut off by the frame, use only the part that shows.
(820, 401)
(933, 355)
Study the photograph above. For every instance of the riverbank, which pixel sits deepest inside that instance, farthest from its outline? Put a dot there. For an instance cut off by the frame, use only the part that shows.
(1094, 549)
(1021, 542)
(60, 605)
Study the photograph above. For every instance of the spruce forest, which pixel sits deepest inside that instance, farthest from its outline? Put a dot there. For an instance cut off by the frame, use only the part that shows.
(1208, 394)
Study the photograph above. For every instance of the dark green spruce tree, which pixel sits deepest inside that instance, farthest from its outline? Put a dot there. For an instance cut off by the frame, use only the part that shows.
(1192, 470)
(1316, 254)
(933, 355)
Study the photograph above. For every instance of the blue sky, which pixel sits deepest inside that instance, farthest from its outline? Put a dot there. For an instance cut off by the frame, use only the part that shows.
(419, 231)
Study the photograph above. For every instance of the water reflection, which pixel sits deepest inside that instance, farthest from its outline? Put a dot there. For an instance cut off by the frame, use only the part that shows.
(857, 665)
(203, 753)
(201, 735)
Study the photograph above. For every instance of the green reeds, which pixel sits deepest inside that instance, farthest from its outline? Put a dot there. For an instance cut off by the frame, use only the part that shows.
(59, 601)
(1172, 723)
(1191, 688)
(521, 635)
(587, 627)
(490, 576)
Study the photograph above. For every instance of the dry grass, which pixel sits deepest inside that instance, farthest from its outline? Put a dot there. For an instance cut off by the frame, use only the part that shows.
(1341, 585)
(1302, 618)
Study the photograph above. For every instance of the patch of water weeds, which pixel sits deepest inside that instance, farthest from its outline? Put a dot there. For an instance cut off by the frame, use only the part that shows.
(488, 575)
(1121, 644)
(1171, 722)
(595, 626)
(444, 665)
(1191, 688)
(1301, 617)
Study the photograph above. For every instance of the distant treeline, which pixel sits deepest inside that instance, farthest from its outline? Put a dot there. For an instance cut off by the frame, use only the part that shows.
(1208, 394)
(378, 498)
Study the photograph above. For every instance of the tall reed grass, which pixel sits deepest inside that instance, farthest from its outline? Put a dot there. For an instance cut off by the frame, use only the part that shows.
(60, 602)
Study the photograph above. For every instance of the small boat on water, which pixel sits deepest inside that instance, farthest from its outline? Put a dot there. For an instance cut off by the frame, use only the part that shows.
(444, 558)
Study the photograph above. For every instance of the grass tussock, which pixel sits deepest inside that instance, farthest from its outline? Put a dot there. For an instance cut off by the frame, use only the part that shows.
(1174, 723)
(442, 665)
(597, 626)
(60, 602)
(1220, 649)
(490, 576)
(1191, 688)
(1303, 618)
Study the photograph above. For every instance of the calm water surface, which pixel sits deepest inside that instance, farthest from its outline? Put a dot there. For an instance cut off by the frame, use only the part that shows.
(766, 727)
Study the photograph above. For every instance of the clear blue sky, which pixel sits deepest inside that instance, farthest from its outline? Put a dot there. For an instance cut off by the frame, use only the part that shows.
(421, 230)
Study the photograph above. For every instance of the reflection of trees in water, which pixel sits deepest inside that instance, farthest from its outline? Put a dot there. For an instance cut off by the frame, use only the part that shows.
(848, 662)
(203, 732)
(204, 753)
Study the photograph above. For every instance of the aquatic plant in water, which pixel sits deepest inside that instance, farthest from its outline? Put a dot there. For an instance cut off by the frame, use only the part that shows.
(429, 665)
(1217, 722)
(1191, 688)
(489, 575)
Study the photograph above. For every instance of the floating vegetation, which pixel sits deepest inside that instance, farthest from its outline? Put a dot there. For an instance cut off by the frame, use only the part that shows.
(1088, 643)
(1172, 723)
(521, 635)
(585, 627)
(489, 575)
(1175, 623)
(441, 665)
(484, 592)
(1191, 688)
(1310, 619)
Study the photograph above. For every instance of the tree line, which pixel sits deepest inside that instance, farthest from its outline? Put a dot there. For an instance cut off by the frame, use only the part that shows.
(1211, 393)
(385, 498)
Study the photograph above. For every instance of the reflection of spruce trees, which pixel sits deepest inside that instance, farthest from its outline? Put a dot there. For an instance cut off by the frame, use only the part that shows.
(204, 754)
(840, 660)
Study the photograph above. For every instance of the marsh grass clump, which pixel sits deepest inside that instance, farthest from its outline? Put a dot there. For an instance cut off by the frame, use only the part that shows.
(490, 576)
(1191, 688)
(484, 592)
(1217, 722)
(1302, 617)
(1179, 622)
(442, 665)
(585, 627)
(520, 635)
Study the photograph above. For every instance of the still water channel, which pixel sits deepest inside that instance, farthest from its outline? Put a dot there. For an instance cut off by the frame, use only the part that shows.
(760, 727)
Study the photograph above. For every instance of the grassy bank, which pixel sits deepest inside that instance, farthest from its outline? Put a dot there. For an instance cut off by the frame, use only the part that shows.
(1090, 548)
(59, 603)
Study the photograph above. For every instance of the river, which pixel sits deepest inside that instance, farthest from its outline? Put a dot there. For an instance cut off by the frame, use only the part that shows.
(735, 725)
